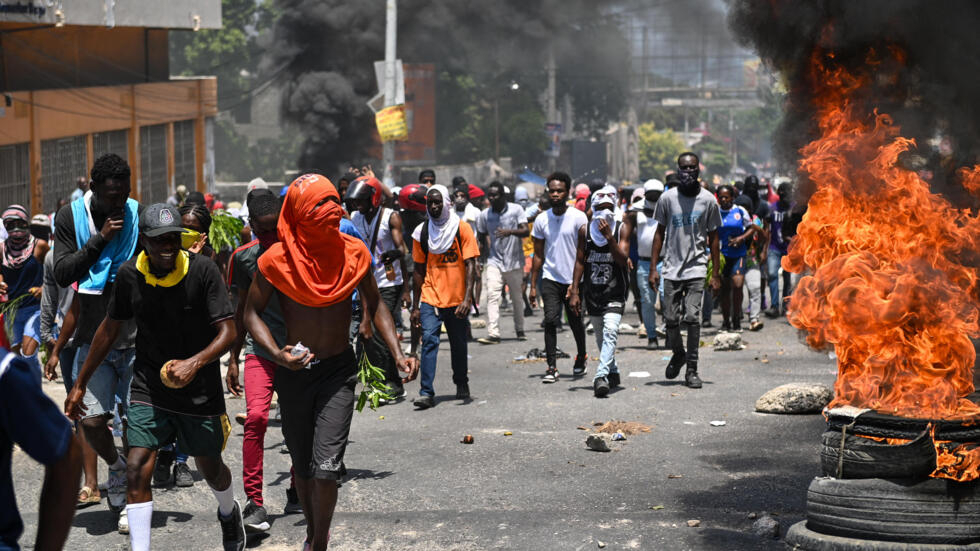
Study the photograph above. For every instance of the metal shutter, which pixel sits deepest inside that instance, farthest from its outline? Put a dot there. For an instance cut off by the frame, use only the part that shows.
(15, 175)
(153, 160)
(116, 142)
(184, 173)
(63, 160)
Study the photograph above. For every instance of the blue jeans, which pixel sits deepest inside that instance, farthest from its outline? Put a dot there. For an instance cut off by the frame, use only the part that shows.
(110, 379)
(648, 298)
(606, 341)
(432, 319)
(772, 270)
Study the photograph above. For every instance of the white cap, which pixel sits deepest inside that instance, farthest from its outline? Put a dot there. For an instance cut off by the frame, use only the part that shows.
(653, 185)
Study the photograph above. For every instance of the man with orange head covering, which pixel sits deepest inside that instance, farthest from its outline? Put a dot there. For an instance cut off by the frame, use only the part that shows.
(313, 270)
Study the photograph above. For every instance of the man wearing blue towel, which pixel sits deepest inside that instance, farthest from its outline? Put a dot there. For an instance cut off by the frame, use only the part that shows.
(95, 235)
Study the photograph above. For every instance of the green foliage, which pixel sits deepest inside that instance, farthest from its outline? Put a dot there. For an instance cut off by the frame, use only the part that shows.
(225, 231)
(658, 151)
(9, 312)
(373, 386)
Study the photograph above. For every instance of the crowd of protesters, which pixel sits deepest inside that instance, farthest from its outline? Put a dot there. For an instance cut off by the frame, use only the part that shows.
(134, 307)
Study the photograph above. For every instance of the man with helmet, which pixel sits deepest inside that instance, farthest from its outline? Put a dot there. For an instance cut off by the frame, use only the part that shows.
(411, 199)
(382, 228)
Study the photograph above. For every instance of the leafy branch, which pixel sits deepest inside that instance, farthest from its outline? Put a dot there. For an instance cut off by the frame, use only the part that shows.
(373, 386)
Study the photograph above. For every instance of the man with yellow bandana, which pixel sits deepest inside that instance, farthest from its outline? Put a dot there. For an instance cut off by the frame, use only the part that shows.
(184, 323)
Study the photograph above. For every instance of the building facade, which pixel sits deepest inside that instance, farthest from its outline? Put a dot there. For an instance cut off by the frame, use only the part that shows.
(83, 78)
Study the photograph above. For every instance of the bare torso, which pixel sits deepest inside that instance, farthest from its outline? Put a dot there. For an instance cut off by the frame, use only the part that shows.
(325, 331)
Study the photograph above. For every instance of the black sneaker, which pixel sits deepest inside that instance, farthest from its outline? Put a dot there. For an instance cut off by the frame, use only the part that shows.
(292, 502)
(579, 368)
(528, 312)
(726, 326)
(182, 475)
(521, 336)
(161, 473)
(653, 344)
(397, 393)
(613, 379)
(706, 324)
(737, 325)
(675, 365)
(255, 517)
(233, 530)
(550, 375)
(463, 392)
(601, 387)
(424, 402)
(691, 379)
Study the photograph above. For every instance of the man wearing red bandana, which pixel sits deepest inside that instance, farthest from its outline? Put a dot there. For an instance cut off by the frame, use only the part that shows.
(314, 269)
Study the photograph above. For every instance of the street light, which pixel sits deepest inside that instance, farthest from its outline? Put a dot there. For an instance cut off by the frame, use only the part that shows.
(514, 86)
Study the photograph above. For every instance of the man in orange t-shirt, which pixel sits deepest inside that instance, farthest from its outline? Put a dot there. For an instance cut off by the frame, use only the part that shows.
(445, 253)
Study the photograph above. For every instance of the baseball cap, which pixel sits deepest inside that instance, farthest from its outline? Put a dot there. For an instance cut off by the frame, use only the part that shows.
(653, 185)
(41, 220)
(158, 219)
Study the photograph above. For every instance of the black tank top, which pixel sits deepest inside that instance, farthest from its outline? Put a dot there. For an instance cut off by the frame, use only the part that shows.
(606, 282)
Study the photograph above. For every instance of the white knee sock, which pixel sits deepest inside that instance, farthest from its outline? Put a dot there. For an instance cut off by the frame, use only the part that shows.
(140, 517)
(226, 500)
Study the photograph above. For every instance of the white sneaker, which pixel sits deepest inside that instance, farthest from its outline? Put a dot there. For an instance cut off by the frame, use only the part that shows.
(123, 525)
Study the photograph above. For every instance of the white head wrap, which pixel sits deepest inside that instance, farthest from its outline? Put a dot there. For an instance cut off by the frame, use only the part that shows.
(603, 196)
(442, 230)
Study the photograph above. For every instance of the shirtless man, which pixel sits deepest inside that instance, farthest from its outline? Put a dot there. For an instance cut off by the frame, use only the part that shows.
(313, 270)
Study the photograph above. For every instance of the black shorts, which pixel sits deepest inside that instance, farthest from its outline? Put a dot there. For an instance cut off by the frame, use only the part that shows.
(317, 406)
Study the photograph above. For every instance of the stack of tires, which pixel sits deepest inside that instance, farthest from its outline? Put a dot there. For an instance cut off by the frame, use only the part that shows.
(877, 496)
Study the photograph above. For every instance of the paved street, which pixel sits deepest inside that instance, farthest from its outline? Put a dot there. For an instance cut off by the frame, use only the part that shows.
(414, 486)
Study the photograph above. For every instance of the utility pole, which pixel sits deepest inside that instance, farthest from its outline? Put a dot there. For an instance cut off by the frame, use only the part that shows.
(552, 100)
(391, 30)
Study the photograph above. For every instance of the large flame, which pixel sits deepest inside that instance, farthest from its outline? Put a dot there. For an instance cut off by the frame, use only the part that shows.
(890, 282)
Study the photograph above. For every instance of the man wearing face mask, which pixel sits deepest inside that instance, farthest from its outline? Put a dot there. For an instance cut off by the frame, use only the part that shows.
(94, 236)
(646, 227)
(692, 216)
(382, 228)
(23, 276)
(445, 255)
(602, 264)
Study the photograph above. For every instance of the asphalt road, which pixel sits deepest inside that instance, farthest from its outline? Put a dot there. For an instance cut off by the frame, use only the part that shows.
(414, 486)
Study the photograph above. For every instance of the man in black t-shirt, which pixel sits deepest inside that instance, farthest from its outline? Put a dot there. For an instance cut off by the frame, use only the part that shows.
(184, 322)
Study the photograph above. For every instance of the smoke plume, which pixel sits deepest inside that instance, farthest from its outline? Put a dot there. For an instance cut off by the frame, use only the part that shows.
(926, 79)
(326, 50)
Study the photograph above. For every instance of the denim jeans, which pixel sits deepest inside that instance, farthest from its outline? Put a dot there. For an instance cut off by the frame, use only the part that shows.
(753, 284)
(109, 381)
(606, 339)
(648, 297)
(432, 319)
(772, 268)
(553, 298)
(683, 305)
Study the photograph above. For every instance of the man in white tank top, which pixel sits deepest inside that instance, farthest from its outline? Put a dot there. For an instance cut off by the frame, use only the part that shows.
(646, 227)
(381, 228)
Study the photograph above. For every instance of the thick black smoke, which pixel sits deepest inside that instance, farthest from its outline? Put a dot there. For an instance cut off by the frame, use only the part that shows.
(326, 49)
(931, 95)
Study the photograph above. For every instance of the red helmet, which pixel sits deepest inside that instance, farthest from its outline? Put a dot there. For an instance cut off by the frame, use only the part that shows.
(363, 187)
(412, 197)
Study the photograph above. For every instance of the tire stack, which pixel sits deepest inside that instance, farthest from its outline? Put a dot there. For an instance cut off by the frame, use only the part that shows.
(879, 497)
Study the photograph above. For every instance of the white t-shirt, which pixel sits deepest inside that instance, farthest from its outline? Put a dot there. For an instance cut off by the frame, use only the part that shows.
(560, 234)
(383, 244)
(646, 228)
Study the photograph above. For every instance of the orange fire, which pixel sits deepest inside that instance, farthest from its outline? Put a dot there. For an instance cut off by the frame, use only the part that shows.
(888, 282)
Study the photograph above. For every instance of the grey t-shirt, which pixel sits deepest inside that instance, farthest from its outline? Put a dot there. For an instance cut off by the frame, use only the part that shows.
(687, 221)
(506, 253)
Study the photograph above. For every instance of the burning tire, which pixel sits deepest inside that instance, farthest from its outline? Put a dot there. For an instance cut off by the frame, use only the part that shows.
(930, 511)
(864, 458)
(890, 426)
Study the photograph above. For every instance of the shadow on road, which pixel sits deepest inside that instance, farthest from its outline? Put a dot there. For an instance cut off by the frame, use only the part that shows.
(103, 521)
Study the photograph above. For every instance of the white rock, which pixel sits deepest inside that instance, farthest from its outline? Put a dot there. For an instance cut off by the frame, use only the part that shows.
(795, 398)
(728, 341)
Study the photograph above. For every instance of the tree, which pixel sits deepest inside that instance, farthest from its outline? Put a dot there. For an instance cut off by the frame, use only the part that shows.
(658, 151)
(714, 156)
